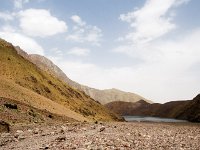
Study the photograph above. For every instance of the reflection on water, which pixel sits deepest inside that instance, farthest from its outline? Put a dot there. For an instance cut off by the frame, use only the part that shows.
(150, 119)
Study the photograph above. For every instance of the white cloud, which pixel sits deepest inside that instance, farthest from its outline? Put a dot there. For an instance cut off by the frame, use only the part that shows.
(166, 73)
(78, 20)
(77, 51)
(26, 43)
(40, 23)
(18, 4)
(7, 28)
(151, 21)
(6, 16)
(172, 75)
(82, 32)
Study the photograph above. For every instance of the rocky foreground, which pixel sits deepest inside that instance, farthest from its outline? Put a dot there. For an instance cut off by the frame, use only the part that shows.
(121, 136)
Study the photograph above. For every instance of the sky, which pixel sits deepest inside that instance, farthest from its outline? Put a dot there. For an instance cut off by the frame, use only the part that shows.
(148, 47)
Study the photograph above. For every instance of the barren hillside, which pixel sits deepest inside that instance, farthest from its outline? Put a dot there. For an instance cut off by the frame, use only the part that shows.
(23, 81)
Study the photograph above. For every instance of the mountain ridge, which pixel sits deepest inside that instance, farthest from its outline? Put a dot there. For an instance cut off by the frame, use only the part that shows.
(186, 110)
(102, 96)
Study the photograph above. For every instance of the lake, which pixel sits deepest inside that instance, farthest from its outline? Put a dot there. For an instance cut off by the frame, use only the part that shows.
(150, 119)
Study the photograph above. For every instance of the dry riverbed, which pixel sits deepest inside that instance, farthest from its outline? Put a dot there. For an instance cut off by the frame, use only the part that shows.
(134, 135)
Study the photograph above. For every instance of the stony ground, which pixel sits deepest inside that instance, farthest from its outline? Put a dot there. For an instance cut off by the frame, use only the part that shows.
(120, 136)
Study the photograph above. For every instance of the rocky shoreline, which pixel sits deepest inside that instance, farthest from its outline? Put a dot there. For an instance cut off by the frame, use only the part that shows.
(124, 135)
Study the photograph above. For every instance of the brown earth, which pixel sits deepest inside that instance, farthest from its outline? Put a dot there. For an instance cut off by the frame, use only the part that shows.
(15, 112)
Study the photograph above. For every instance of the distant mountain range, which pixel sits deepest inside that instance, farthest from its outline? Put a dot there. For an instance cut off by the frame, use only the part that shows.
(186, 110)
(24, 82)
(102, 96)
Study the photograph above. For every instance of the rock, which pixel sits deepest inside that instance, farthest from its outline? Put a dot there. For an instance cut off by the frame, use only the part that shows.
(84, 129)
(29, 130)
(45, 147)
(19, 131)
(109, 144)
(36, 131)
(11, 106)
(93, 127)
(4, 127)
(61, 139)
(63, 129)
(102, 129)
(21, 137)
(71, 129)
(88, 143)
(126, 144)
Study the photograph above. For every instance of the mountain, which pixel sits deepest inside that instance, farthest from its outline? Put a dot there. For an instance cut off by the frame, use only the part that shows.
(191, 111)
(186, 110)
(127, 108)
(26, 83)
(102, 96)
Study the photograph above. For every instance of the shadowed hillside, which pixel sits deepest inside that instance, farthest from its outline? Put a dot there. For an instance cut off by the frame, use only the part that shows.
(186, 110)
(23, 81)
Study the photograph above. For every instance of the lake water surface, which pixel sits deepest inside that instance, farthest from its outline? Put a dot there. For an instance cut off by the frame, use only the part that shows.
(150, 119)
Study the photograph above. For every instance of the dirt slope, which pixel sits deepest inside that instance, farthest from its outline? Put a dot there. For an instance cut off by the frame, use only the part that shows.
(36, 87)
(14, 112)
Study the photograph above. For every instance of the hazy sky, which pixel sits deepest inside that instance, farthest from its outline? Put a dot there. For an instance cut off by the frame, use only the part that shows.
(149, 47)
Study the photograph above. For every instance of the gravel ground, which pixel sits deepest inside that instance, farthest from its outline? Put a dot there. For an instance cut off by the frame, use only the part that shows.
(133, 135)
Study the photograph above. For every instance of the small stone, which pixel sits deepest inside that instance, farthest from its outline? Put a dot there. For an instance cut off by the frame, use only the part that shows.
(126, 144)
(21, 137)
(63, 129)
(44, 147)
(19, 131)
(36, 131)
(102, 129)
(88, 143)
(71, 129)
(109, 144)
(4, 135)
(84, 129)
(60, 138)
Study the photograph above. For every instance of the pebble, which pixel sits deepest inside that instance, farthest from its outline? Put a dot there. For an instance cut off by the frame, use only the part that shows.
(102, 129)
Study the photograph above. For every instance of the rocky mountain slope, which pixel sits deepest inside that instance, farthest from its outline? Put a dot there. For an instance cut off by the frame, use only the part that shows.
(24, 82)
(102, 96)
(191, 111)
(186, 110)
